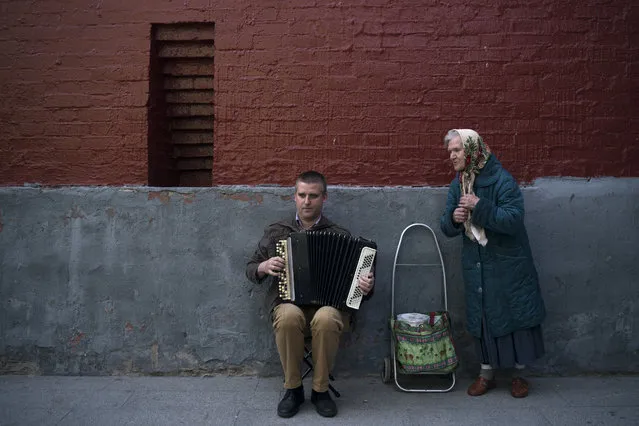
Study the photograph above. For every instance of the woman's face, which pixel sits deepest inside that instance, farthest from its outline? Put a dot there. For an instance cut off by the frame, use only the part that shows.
(456, 151)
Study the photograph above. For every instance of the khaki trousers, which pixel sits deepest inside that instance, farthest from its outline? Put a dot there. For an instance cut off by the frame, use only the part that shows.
(290, 324)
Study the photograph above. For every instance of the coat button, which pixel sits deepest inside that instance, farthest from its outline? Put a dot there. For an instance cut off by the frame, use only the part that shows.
(479, 290)
(478, 265)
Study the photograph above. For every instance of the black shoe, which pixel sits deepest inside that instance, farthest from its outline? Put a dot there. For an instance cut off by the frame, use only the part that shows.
(290, 404)
(324, 404)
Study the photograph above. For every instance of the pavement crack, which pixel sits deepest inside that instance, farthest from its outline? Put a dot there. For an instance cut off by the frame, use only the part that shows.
(237, 416)
(64, 417)
(128, 399)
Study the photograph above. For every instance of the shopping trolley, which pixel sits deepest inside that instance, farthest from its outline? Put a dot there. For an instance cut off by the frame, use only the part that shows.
(424, 259)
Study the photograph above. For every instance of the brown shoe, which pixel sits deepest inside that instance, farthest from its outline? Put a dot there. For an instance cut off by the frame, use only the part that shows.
(480, 386)
(519, 388)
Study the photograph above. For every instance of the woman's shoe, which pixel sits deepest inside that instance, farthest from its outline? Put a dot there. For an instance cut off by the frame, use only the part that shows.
(519, 388)
(480, 386)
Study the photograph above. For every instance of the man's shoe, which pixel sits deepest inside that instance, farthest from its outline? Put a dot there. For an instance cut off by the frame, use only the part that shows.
(519, 388)
(290, 404)
(324, 405)
(480, 386)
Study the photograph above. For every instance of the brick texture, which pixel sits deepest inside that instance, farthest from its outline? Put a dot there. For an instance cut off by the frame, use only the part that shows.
(363, 90)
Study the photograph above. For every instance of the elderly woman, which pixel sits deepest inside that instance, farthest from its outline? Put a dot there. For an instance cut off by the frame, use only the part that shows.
(504, 306)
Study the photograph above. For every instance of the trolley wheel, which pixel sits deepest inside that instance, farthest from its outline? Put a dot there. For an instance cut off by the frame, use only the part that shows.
(386, 370)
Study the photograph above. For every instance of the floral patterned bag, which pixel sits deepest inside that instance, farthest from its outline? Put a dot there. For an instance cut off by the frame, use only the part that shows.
(426, 347)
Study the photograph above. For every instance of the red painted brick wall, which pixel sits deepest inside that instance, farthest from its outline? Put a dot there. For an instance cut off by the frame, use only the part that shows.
(363, 90)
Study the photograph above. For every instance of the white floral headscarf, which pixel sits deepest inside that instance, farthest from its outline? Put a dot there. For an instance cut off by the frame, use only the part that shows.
(477, 154)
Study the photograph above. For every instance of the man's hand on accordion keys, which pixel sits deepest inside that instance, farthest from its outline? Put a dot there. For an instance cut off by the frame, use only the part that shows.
(366, 283)
(273, 266)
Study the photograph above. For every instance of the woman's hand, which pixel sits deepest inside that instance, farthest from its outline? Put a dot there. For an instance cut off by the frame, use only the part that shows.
(468, 201)
(460, 215)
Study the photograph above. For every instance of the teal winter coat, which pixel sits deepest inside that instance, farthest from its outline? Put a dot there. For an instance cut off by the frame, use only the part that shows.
(500, 278)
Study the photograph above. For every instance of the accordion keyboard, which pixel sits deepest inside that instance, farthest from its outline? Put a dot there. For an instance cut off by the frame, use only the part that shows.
(355, 295)
(284, 284)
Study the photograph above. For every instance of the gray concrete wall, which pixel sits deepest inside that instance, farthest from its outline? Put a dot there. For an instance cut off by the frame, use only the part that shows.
(109, 280)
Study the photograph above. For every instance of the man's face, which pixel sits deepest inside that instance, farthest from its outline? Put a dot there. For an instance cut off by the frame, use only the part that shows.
(309, 199)
(456, 151)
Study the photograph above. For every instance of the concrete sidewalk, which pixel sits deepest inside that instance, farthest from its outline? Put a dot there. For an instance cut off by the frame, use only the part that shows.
(222, 400)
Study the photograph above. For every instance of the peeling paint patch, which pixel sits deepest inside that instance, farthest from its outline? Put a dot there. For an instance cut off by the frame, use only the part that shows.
(127, 367)
(9, 366)
(75, 213)
(154, 355)
(286, 197)
(110, 212)
(187, 358)
(163, 196)
(108, 306)
(244, 196)
(128, 327)
(77, 339)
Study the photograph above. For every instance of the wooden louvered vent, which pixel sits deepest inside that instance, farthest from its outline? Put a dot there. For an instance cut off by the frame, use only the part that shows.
(184, 57)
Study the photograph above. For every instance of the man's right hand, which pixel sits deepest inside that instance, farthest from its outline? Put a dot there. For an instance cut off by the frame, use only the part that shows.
(460, 215)
(272, 266)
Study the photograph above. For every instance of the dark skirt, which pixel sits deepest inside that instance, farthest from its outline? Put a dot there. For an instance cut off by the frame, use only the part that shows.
(520, 347)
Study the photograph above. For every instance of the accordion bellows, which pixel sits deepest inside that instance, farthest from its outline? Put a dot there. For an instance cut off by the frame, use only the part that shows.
(323, 268)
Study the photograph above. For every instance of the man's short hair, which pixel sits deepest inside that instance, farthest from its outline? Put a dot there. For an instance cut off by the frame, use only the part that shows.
(311, 176)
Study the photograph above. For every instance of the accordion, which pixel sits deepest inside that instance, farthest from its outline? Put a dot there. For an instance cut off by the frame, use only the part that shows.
(323, 268)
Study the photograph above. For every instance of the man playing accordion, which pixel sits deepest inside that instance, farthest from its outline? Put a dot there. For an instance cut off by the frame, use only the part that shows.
(289, 320)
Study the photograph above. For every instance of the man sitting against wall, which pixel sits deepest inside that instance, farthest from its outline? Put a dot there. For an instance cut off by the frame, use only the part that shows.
(289, 320)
